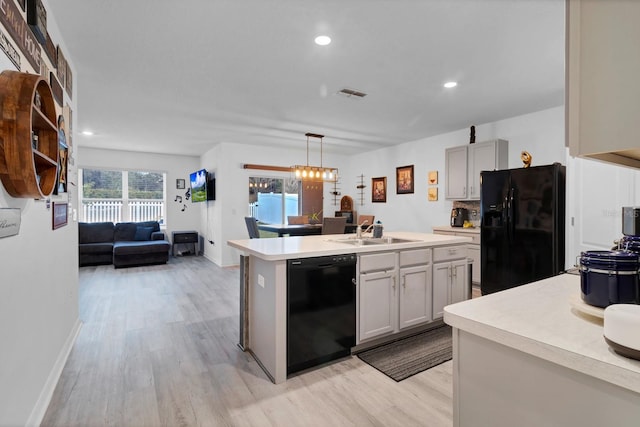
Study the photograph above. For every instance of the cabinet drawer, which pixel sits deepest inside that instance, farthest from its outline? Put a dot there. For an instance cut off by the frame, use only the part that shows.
(415, 257)
(449, 252)
(185, 237)
(475, 237)
(377, 262)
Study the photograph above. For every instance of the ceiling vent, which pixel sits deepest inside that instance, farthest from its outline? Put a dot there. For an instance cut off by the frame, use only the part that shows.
(350, 93)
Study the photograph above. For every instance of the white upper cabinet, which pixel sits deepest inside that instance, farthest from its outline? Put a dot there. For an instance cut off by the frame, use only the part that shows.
(456, 173)
(603, 89)
(463, 166)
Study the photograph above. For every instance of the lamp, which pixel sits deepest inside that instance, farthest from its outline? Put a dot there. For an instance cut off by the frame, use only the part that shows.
(317, 172)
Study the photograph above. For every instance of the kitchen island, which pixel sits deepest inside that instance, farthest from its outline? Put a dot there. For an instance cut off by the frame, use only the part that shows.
(264, 282)
(530, 356)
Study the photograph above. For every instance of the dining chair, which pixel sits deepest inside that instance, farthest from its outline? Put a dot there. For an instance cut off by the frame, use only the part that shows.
(297, 220)
(252, 227)
(334, 225)
(368, 218)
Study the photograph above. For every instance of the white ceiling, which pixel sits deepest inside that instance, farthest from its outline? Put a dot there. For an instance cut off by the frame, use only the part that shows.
(179, 76)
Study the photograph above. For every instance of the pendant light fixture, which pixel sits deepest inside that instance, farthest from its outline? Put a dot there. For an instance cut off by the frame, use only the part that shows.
(315, 172)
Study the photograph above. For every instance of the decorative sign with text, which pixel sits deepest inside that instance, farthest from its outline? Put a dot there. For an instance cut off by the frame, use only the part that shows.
(7, 47)
(18, 29)
(9, 222)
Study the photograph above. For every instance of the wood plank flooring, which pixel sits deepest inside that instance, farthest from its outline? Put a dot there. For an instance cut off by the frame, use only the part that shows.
(158, 348)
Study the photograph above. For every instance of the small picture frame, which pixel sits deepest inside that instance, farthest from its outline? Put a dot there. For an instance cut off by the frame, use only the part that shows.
(180, 184)
(433, 178)
(60, 215)
(404, 180)
(433, 194)
(379, 190)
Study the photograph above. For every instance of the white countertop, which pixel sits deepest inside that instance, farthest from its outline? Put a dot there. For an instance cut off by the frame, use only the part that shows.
(472, 230)
(538, 319)
(281, 248)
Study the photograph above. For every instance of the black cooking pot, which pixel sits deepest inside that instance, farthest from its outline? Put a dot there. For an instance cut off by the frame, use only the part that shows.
(609, 277)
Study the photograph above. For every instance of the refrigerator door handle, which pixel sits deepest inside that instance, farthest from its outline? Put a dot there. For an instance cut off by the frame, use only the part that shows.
(510, 217)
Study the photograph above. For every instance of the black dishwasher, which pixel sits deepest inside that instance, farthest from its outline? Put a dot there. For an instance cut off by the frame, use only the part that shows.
(321, 310)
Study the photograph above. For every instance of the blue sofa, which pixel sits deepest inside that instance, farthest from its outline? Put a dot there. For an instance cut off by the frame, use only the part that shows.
(124, 244)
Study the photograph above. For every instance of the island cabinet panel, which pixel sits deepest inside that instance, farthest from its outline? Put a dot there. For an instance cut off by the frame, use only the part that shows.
(415, 295)
(378, 304)
(395, 292)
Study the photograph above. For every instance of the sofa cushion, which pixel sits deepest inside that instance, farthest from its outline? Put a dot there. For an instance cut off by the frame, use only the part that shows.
(143, 233)
(136, 248)
(95, 232)
(126, 231)
(96, 248)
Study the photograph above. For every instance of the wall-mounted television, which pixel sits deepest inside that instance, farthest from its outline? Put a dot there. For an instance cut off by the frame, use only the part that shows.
(203, 186)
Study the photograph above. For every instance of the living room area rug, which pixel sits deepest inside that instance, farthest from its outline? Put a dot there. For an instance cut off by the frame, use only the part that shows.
(411, 355)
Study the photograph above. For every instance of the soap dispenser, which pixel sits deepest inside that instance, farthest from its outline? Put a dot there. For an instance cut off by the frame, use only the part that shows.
(377, 230)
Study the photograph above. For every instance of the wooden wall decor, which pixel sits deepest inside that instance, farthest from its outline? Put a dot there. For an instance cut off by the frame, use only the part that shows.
(37, 19)
(19, 31)
(69, 82)
(28, 109)
(56, 89)
(61, 66)
(50, 50)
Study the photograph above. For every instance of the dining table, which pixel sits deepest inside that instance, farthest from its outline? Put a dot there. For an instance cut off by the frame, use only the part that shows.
(299, 229)
(292, 229)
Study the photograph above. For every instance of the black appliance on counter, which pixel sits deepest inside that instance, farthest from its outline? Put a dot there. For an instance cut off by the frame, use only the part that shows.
(459, 216)
(522, 226)
(321, 310)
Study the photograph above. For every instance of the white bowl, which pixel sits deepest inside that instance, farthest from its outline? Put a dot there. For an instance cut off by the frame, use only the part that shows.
(622, 329)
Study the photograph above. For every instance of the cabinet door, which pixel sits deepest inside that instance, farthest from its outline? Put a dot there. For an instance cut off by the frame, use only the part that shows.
(456, 173)
(474, 254)
(459, 281)
(415, 295)
(378, 303)
(441, 288)
(482, 157)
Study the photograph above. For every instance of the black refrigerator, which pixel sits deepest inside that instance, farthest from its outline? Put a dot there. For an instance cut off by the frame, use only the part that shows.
(522, 226)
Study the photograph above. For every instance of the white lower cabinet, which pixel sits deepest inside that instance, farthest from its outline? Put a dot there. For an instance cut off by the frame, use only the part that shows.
(394, 292)
(450, 278)
(378, 300)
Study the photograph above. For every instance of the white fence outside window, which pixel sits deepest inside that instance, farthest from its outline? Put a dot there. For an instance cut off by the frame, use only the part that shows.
(101, 210)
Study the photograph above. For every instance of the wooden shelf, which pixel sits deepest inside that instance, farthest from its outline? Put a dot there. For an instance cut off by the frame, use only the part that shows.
(26, 171)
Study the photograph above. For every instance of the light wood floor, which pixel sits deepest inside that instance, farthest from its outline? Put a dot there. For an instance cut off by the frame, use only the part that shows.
(158, 348)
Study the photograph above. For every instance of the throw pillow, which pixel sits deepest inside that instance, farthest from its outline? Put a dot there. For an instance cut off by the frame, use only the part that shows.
(143, 233)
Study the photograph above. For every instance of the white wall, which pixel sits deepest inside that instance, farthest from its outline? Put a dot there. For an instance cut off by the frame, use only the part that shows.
(175, 166)
(39, 292)
(540, 133)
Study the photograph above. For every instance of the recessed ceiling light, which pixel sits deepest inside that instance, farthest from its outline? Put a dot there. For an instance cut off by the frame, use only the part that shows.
(323, 40)
(87, 133)
(449, 85)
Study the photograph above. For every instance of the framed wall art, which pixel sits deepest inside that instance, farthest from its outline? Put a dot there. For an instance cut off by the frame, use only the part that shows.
(433, 194)
(433, 177)
(180, 184)
(404, 180)
(60, 215)
(379, 190)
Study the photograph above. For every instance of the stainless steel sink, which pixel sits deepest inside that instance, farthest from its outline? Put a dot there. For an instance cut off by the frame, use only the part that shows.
(374, 241)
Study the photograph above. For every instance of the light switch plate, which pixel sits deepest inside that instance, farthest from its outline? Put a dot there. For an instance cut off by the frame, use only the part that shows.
(261, 280)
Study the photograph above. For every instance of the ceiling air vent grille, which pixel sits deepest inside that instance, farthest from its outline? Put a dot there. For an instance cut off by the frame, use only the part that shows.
(351, 93)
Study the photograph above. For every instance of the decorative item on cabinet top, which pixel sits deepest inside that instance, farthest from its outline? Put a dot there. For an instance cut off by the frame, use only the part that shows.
(27, 172)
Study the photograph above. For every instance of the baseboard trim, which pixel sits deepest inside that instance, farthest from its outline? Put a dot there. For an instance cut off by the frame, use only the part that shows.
(40, 408)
